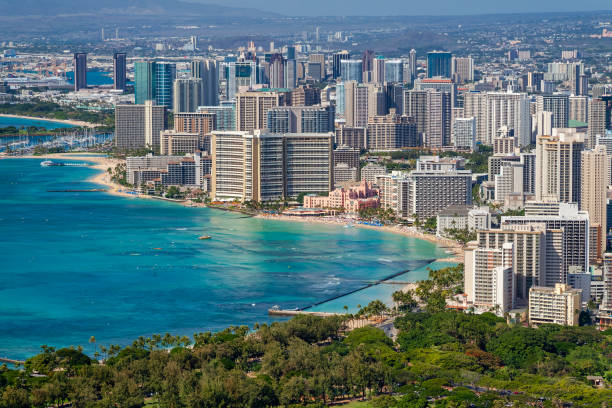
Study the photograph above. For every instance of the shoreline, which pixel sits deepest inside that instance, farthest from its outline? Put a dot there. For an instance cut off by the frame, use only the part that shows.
(77, 123)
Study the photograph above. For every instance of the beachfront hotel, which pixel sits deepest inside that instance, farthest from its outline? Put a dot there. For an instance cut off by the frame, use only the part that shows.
(351, 199)
(265, 167)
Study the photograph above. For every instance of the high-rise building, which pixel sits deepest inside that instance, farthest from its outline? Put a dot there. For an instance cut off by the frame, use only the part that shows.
(391, 131)
(351, 70)
(207, 71)
(305, 96)
(371, 171)
(558, 105)
(239, 74)
(415, 106)
(252, 108)
(464, 133)
(225, 114)
(290, 74)
(187, 95)
(595, 180)
(579, 108)
(463, 69)
(119, 70)
(336, 63)
(263, 166)
(600, 118)
(139, 126)
(438, 84)
(489, 279)
(438, 116)
(80, 71)
(425, 199)
(439, 64)
(154, 81)
(367, 65)
(347, 155)
(558, 305)
(301, 119)
(165, 73)
(175, 143)
(558, 164)
(413, 64)
(277, 71)
(351, 136)
(394, 191)
(202, 123)
(394, 70)
(378, 70)
(356, 104)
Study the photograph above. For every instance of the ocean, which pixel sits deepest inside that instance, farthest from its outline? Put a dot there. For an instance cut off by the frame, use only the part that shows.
(76, 265)
(21, 122)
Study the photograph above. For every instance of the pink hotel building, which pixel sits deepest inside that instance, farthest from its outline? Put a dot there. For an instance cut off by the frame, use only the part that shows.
(352, 199)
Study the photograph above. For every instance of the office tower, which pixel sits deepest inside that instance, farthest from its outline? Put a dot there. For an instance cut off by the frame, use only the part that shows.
(558, 164)
(306, 96)
(412, 64)
(356, 104)
(394, 192)
(489, 279)
(595, 180)
(336, 63)
(80, 71)
(367, 65)
(391, 131)
(558, 305)
(201, 123)
(318, 59)
(144, 82)
(252, 108)
(314, 71)
(207, 71)
(378, 70)
(425, 199)
(165, 73)
(187, 95)
(351, 136)
(225, 115)
(119, 70)
(574, 234)
(394, 71)
(394, 93)
(415, 106)
(290, 74)
(277, 71)
(463, 69)
(139, 126)
(175, 143)
(301, 119)
(579, 108)
(439, 64)
(529, 172)
(438, 129)
(290, 52)
(351, 70)
(464, 133)
(600, 118)
(240, 74)
(558, 105)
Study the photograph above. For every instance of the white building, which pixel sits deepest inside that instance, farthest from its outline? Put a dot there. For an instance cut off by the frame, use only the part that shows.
(558, 305)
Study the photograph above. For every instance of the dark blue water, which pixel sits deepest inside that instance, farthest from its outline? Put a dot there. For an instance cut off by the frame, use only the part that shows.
(75, 265)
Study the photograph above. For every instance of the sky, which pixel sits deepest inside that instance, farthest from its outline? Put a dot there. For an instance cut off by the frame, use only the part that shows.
(412, 7)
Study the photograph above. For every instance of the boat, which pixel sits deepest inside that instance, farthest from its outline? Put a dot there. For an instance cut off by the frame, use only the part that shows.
(205, 237)
(46, 163)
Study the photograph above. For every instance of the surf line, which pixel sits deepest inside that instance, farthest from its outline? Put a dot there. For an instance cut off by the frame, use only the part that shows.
(369, 285)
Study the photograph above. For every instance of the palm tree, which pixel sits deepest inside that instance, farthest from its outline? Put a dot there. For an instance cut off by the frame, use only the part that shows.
(92, 340)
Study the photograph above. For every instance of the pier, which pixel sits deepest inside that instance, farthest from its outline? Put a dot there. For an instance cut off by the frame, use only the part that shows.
(280, 312)
(86, 190)
(11, 361)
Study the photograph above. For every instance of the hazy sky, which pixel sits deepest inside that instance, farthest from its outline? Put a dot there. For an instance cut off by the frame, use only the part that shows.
(412, 7)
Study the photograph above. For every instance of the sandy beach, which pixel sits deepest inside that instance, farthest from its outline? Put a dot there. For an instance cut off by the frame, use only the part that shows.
(448, 244)
(78, 123)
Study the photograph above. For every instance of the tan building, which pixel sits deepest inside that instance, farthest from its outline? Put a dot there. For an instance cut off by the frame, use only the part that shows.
(391, 132)
(558, 163)
(594, 185)
(174, 143)
(252, 108)
(558, 305)
(201, 123)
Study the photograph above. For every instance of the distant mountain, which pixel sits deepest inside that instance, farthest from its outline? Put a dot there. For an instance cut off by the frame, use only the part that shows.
(124, 8)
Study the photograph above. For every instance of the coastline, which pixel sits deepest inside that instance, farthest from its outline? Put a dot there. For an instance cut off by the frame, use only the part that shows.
(78, 123)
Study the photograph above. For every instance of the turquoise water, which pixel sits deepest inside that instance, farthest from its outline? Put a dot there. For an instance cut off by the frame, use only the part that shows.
(19, 122)
(75, 265)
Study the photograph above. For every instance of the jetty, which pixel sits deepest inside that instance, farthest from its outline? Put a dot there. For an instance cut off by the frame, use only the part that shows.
(281, 312)
(11, 361)
(85, 190)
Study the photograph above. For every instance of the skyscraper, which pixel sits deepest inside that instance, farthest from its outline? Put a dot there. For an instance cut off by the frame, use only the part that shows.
(252, 108)
(154, 81)
(80, 71)
(394, 70)
(165, 73)
(367, 62)
(337, 58)
(144, 84)
(413, 65)
(187, 95)
(463, 68)
(207, 71)
(277, 71)
(378, 70)
(351, 70)
(438, 129)
(119, 70)
(594, 184)
(558, 105)
(439, 64)
(139, 126)
(239, 74)
(600, 118)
